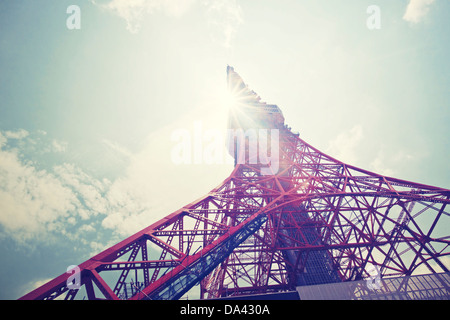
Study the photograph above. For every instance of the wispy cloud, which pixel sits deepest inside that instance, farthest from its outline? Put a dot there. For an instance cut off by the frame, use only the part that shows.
(379, 164)
(37, 203)
(134, 11)
(153, 186)
(345, 146)
(59, 146)
(63, 200)
(32, 201)
(19, 134)
(222, 16)
(117, 148)
(417, 10)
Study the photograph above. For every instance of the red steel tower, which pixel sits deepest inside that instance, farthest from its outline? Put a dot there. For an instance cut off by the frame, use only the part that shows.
(288, 215)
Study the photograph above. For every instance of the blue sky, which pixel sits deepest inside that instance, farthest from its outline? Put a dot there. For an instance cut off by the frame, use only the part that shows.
(87, 115)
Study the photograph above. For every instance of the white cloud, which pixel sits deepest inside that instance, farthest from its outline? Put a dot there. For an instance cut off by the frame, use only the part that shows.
(88, 189)
(378, 165)
(133, 11)
(176, 8)
(32, 202)
(64, 200)
(40, 204)
(3, 140)
(34, 284)
(417, 10)
(224, 18)
(19, 134)
(345, 146)
(59, 146)
(117, 148)
(152, 186)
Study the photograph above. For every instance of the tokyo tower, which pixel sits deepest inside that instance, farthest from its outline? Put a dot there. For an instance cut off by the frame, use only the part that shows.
(288, 216)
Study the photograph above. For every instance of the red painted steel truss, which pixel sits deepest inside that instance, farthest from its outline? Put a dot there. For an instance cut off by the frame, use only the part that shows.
(254, 233)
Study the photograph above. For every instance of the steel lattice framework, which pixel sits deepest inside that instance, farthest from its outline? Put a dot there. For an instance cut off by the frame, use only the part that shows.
(312, 220)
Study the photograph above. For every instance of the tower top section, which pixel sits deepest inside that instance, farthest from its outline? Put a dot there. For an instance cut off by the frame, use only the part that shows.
(247, 110)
